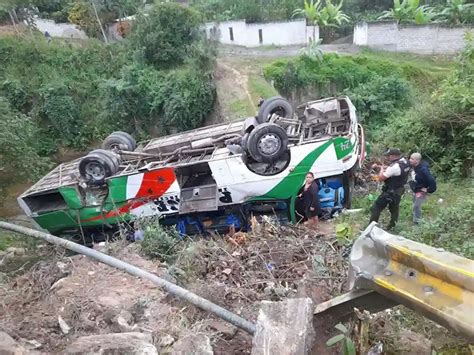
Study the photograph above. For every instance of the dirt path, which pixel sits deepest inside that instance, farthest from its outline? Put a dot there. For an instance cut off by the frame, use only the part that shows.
(232, 90)
(239, 77)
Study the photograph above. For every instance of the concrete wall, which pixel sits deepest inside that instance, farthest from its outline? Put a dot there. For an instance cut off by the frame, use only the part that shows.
(421, 39)
(63, 30)
(261, 34)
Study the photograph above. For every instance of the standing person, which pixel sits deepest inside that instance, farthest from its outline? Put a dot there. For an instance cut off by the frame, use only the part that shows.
(47, 36)
(395, 177)
(310, 198)
(424, 183)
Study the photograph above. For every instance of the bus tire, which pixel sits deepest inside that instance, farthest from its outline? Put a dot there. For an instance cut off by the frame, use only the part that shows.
(267, 142)
(277, 105)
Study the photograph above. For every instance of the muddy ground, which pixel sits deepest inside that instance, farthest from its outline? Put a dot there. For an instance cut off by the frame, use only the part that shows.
(235, 272)
(50, 298)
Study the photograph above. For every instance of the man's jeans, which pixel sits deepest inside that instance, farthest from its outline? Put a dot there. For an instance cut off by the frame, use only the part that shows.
(419, 198)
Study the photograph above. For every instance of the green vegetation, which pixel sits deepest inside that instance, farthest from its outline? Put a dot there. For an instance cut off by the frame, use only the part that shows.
(415, 105)
(447, 217)
(347, 345)
(72, 94)
(409, 11)
(441, 125)
(159, 242)
(454, 12)
(327, 16)
(258, 87)
(250, 10)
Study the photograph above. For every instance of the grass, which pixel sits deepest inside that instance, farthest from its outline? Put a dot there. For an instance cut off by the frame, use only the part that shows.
(242, 108)
(423, 71)
(8, 239)
(259, 87)
(446, 222)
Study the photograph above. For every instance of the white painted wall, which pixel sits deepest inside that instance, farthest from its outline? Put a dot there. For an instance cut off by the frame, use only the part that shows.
(247, 34)
(420, 39)
(63, 30)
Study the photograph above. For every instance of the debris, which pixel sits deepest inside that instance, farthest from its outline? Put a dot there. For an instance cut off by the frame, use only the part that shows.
(284, 327)
(408, 341)
(167, 340)
(65, 328)
(30, 344)
(195, 344)
(376, 349)
(65, 268)
(9, 346)
(16, 251)
(362, 330)
(123, 320)
(226, 329)
(352, 211)
(116, 343)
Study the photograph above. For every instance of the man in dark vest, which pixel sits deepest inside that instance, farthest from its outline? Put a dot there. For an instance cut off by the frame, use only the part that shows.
(423, 184)
(394, 177)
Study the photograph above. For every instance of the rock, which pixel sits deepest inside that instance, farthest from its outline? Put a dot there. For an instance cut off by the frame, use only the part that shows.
(167, 340)
(408, 342)
(8, 346)
(64, 268)
(123, 320)
(284, 327)
(132, 343)
(224, 328)
(65, 328)
(195, 344)
(15, 251)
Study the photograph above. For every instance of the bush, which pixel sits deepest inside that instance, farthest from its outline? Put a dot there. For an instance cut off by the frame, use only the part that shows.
(187, 99)
(160, 242)
(441, 127)
(378, 100)
(164, 36)
(332, 75)
(145, 99)
(75, 93)
(20, 145)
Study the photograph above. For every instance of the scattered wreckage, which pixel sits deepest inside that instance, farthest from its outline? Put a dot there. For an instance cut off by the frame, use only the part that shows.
(206, 179)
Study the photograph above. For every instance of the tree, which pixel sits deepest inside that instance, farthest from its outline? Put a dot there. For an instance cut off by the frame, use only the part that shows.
(457, 12)
(163, 37)
(93, 15)
(409, 11)
(329, 16)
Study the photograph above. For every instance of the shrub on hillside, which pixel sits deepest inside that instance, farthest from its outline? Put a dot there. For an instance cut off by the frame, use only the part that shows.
(144, 99)
(20, 146)
(379, 99)
(442, 126)
(164, 35)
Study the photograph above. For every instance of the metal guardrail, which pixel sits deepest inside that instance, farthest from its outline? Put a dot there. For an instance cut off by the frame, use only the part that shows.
(431, 281)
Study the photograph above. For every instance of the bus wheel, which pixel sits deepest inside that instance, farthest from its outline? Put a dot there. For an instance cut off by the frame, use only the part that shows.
(267, 142)
(348, 184)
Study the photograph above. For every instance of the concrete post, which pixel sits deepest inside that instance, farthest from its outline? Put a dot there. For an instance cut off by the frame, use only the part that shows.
(284, 328)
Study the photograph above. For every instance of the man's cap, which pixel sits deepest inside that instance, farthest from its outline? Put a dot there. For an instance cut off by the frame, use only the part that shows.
(393, 151)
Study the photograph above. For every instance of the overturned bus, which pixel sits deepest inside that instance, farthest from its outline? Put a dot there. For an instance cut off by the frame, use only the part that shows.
(206, 179)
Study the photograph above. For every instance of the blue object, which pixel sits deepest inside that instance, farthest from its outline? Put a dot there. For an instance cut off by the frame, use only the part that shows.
(138, 235)
(233, 220)
(189, 225)
(332, 198)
